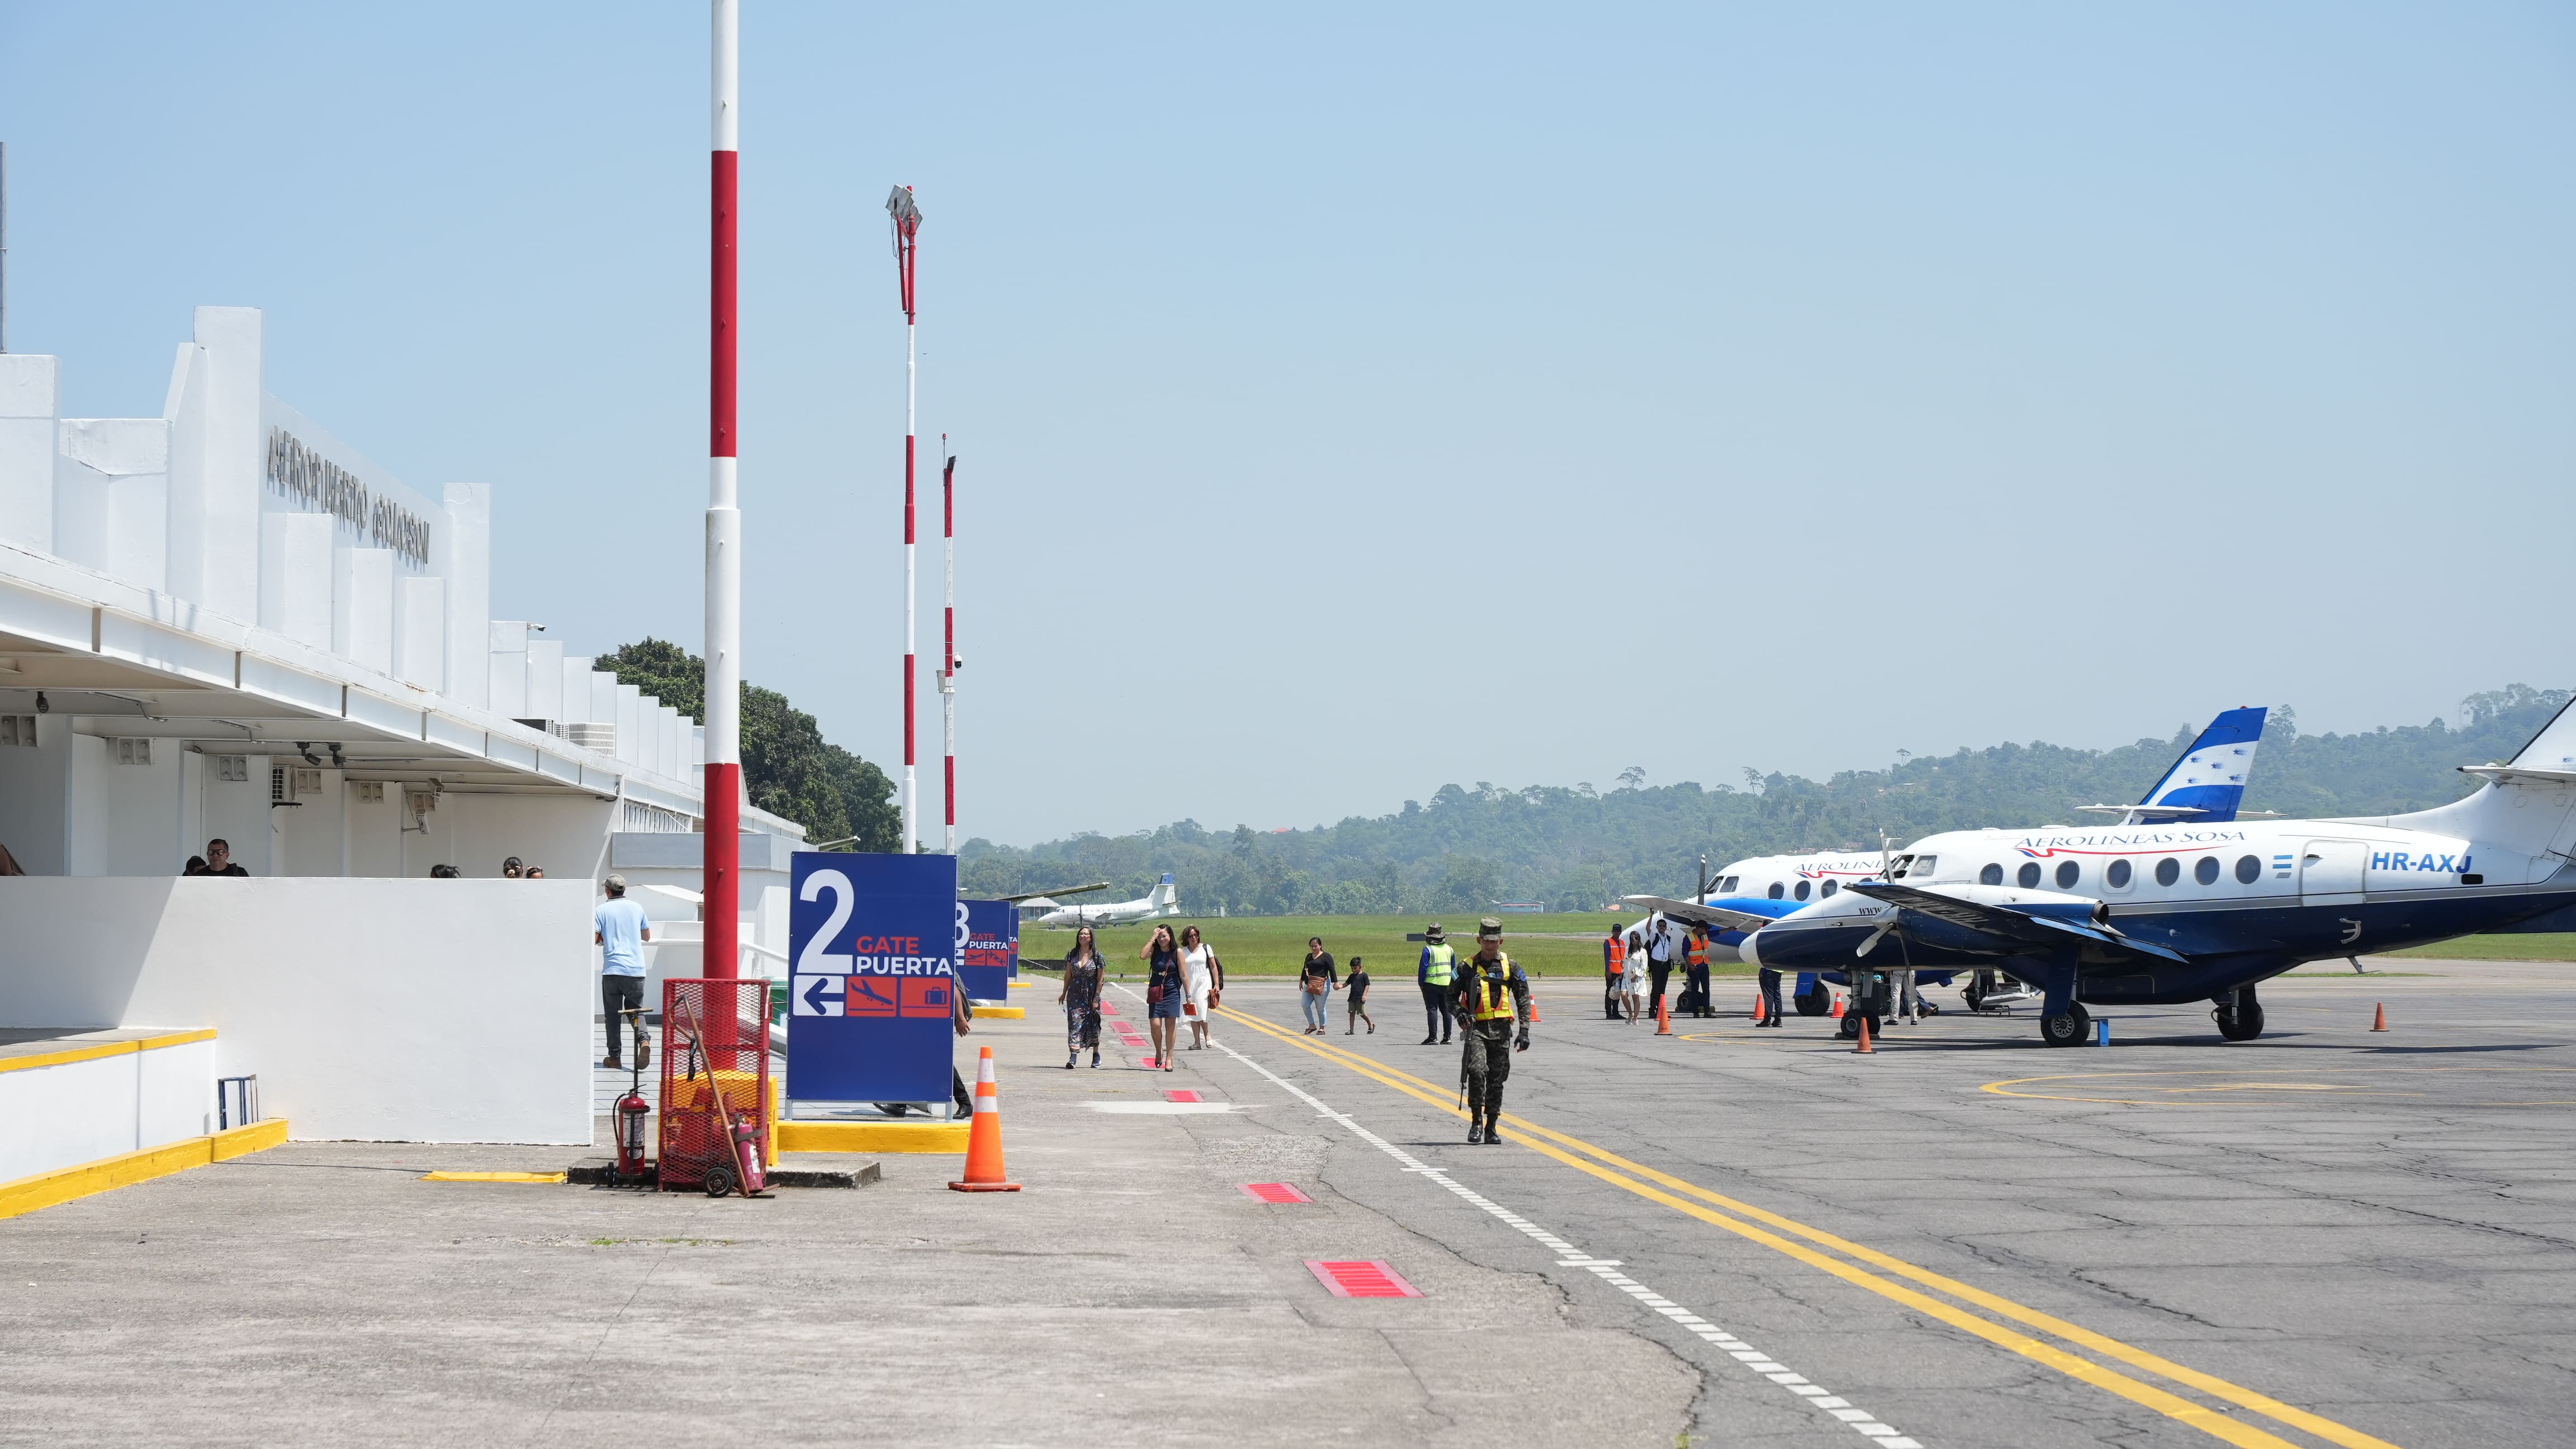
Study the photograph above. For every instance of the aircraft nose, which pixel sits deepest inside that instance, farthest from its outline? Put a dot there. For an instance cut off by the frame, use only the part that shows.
(1751, 950)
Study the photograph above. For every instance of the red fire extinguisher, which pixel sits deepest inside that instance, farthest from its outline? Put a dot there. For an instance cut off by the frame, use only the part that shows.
(746, 1147)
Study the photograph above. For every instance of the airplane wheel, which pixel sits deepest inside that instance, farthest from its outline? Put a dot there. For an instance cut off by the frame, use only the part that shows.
(1816, 1002)
(2242, 1024)
(1849, 1027)
(1975, 994)
(2072, 1027)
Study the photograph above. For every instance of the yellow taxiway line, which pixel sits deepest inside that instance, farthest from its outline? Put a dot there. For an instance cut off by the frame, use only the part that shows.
(1546, 1141)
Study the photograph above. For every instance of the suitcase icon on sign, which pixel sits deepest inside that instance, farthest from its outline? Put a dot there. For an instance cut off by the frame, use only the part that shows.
(927, 996)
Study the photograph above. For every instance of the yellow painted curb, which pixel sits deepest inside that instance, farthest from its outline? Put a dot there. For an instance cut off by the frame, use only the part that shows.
(871, 1136)
(1002, 1011)
(491, 1177)
(96, 1050)
(45, 1189)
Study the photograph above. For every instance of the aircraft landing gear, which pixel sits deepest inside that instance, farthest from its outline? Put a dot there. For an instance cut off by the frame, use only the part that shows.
(2072, 1027)
(2240, 1019)
(1816, 1002)
(1849, 1027)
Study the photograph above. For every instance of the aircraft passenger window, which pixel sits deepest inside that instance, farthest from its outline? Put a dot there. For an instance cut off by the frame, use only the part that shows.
(1775, 890)
(2168, 870)
(2205, 870)
(2067, 870)
(1801, 892)
(2249, 868)
(2028, 875)
(1831, 886)
(1991, 875)
(2117, 877)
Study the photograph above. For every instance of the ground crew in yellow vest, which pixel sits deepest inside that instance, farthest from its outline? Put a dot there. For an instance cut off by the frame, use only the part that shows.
(1436, 974)
(1493, 1015)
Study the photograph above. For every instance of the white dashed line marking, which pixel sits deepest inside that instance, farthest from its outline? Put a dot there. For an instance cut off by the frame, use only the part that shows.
(1606, 1269)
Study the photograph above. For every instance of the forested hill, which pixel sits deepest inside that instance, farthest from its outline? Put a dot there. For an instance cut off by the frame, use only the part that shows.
(1577, 848)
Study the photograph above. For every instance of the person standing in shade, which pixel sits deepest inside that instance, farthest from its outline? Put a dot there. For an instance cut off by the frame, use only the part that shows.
(1659, 954)
(219, 859)
(1163, 983)
(619, 929)
(510, 869)
(1315, 985)
(1355, 998)
(1436, 973)
(1770, 982)
(1493, 1000)
(1080, 998)
(1695, 982)
(1614, 966)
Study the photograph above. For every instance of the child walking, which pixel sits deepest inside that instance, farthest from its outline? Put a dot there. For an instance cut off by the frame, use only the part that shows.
(1356, 984)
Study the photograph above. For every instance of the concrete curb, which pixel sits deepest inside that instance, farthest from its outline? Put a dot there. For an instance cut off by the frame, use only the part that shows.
(44, 1189)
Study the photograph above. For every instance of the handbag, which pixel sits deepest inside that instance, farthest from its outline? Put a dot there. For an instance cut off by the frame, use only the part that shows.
(1314, 986)
(1153, 996)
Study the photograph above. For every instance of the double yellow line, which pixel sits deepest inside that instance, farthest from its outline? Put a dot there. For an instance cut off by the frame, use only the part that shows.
(1775, 1232)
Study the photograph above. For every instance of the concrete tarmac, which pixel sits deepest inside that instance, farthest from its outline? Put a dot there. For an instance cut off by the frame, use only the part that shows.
(1725, 1236)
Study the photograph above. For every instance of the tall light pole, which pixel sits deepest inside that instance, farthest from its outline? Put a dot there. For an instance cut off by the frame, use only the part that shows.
(948, 654)
(721, 875)
(907, 232)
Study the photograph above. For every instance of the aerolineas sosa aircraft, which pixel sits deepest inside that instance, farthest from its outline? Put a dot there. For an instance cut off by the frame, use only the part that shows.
(1163, 900)
(2157, 915)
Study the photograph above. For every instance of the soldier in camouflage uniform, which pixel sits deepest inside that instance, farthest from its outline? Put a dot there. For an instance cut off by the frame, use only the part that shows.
(1493, 1004)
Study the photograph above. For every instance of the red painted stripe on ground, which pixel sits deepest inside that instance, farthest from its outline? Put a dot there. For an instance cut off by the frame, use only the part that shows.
(1180, 1096)
(1346, 1279)
(1276, 1192)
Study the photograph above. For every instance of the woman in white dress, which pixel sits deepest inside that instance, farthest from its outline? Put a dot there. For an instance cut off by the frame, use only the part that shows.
(1633, 985)
(1203, 978)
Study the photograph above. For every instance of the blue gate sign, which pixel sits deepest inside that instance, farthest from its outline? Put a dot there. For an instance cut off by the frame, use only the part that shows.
(992, 944)
(873, 942)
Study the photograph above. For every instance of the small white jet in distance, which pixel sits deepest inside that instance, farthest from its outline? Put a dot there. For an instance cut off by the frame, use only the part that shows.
(1163, 900)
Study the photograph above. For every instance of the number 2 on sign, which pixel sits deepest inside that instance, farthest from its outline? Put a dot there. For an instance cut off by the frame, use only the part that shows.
(814, 960)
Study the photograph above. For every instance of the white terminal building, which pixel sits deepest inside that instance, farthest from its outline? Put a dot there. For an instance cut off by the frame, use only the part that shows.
(225, 622)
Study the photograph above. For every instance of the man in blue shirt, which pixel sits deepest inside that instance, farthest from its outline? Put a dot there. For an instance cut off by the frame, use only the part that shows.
(618, 926)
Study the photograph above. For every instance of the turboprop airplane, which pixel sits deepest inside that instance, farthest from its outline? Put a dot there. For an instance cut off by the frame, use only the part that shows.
(2204, 784)
(2162, 914)
(1163, 900)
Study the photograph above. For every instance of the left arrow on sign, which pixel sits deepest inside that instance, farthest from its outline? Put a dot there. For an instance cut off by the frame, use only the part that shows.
(818, 996)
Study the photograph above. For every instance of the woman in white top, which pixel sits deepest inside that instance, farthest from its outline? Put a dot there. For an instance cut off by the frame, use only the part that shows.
(1201, 976)
(1633, 981)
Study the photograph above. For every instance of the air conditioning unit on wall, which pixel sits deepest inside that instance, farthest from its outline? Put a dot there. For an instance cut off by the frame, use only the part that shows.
(592, 735)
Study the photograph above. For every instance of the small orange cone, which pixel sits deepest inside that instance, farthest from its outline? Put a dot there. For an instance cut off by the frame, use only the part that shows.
(2379, 1021)
(1758, 1017)
(1864, 1038)
(984, 1138)
(1663, 1018)
(1838, 1007)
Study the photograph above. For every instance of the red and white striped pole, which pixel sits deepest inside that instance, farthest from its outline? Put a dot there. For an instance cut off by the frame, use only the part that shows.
(948, 655)
(721, 875)
(907, 230)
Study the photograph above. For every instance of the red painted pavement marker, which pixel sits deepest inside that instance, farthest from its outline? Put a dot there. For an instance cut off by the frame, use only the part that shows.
(1275, 1192)
(1344, 1279)
(1181, 1096)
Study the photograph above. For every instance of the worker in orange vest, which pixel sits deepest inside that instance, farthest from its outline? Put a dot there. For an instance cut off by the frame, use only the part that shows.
(1614, 964)
(1695, 987)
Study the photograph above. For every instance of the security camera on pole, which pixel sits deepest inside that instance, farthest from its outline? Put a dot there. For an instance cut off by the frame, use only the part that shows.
(720, 878)
(907, 232)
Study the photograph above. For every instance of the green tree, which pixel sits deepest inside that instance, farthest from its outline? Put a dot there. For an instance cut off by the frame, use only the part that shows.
(788, 768)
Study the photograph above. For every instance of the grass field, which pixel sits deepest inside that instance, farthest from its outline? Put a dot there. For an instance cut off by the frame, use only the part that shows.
(2521, 946)
(1551, 945)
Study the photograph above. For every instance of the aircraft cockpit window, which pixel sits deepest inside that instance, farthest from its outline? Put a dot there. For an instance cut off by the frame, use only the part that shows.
(1923, 867)
(2205, 870)
(2028, 875)
(1775, 890)
(1897, 868)
(2117, 876)
(2067, 871)
(1801, 891)
(1991, 875)
(2249, 868)
(1728, 885)
(2168, 870)
(1831, 886)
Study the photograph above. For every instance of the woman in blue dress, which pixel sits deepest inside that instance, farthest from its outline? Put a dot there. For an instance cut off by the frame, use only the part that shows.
(1163, 992)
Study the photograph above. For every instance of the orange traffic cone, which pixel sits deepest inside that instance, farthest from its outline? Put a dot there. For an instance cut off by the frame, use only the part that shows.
(2379, 1021)
(1663, 1018)
(1863, 1047)
(1838, 1007)
(1758, 1017)
(984, 1138)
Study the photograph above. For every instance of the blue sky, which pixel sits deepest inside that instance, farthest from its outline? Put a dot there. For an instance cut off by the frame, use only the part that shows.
(1353, 401)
